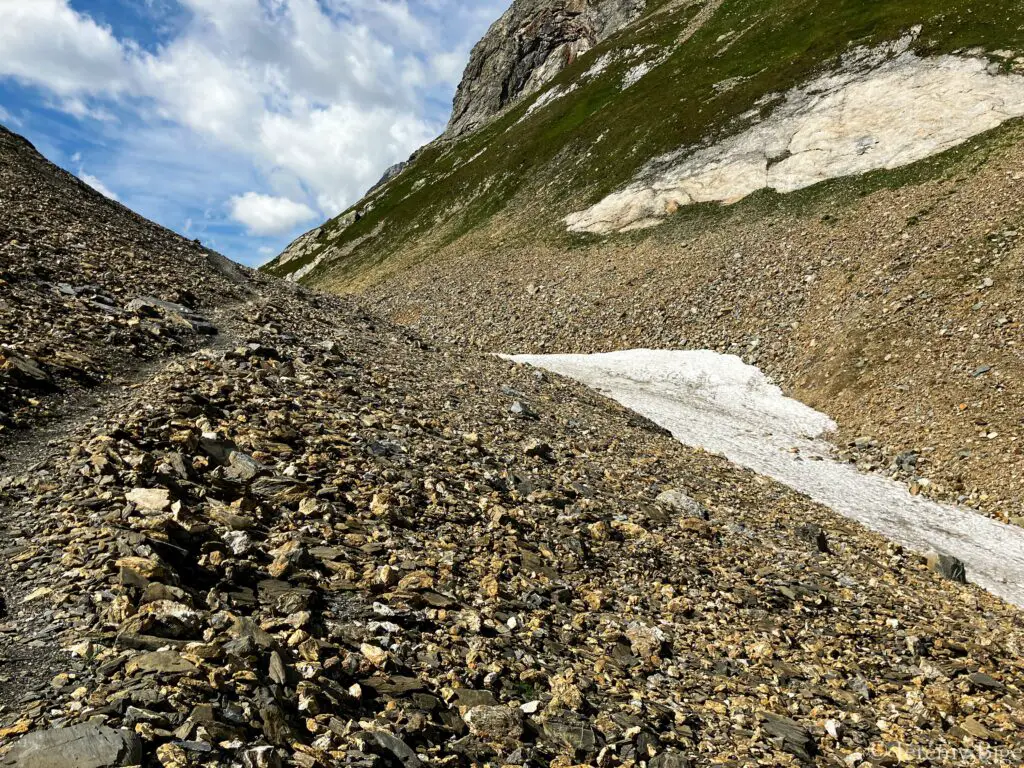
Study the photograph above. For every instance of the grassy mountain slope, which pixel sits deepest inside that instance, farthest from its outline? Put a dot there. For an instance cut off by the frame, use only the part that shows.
(577, 148)
(889, 300)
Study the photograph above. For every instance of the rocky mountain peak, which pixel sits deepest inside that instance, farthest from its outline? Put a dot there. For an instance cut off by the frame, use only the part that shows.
(531, 43)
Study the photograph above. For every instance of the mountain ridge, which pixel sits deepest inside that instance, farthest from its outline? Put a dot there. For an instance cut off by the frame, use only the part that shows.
(526, 48)
(471, 244)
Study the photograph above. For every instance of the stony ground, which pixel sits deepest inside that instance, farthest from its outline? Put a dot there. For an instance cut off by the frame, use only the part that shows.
(78, 279)
(315, 539)
(896, 311)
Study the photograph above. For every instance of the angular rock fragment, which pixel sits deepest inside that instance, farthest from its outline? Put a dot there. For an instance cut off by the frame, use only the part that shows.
(813, 534)
(164, 618)
(670, 759)
(574, 735)
(396, 748)
(80, 746)
(947, 566)
(792, 736)
(260, 757)
(150, 500)
(161, 662)
(496, 723)
(680, 502)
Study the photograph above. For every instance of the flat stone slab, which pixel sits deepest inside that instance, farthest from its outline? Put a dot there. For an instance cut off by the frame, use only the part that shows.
(81, 746)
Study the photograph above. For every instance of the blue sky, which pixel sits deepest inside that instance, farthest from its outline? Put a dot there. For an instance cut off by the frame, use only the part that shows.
(241, 122)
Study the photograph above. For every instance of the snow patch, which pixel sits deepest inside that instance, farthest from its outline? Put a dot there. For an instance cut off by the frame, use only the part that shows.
(882, 108)
(718, 403)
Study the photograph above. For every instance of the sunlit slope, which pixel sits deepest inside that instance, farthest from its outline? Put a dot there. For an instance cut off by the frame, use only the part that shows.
(682, 76)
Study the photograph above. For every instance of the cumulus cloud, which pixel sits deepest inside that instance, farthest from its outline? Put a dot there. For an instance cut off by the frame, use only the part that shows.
(267, 215)
(98, 185)
(80, 55)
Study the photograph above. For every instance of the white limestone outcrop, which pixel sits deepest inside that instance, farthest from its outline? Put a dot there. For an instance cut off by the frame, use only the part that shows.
(882, 108)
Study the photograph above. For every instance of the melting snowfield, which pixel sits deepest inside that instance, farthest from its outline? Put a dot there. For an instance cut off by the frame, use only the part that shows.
(719, 403)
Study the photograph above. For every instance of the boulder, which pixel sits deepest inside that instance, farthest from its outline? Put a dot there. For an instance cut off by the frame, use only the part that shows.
(947, 566)
(678, 501)
(495, 723)
(81, 746)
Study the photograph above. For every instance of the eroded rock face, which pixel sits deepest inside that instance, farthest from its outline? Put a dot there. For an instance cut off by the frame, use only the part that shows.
(881, 108)
(530, 44)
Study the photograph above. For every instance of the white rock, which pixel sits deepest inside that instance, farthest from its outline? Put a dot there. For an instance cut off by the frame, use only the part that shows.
(869, 114)
(150, 499)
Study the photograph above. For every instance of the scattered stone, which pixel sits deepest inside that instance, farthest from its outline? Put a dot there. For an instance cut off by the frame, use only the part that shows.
(947, 566)
(985, 682)
(333, 557)
(537, 449)
(150, 499)
(670, 759)
(397, 748)
(496, 723)
(976, 729)
(523, 410)
(375, 655)
(24, 367)
(575, 736)
(813, 534)
(163, 662)
(242, 467)
(261, 757)
(680, 502)
(793, 737)
(468, 697)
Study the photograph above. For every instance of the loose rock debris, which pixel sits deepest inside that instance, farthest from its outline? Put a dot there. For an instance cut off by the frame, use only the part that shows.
(319, 542)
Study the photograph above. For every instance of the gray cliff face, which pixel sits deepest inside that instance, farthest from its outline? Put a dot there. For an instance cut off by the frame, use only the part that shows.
(530, 44)
(389, 174)
(526, 48)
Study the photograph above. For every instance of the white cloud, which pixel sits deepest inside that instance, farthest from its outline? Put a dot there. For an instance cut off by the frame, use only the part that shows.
(98, 185)
(266, 215)
(448, 66)
(312, 98)
(79, 108)
(80, 55)
(342, 150)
